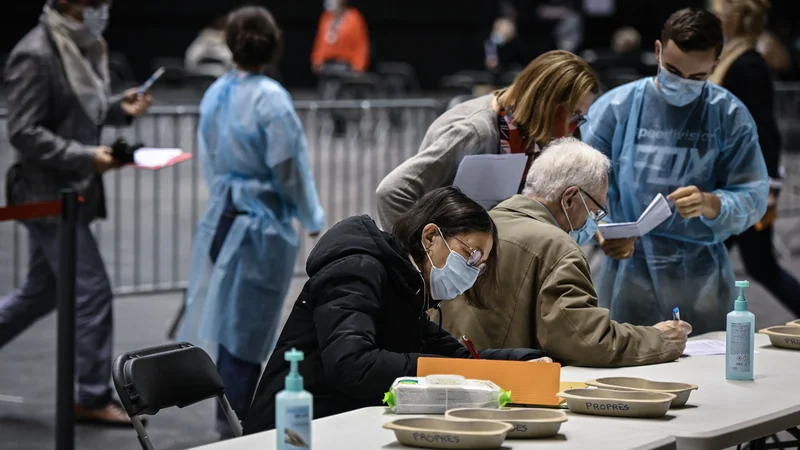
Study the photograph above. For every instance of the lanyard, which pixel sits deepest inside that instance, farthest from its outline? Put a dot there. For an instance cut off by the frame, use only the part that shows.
(512, 142)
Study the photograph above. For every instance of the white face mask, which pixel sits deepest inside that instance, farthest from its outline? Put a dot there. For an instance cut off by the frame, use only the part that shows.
(96, 19)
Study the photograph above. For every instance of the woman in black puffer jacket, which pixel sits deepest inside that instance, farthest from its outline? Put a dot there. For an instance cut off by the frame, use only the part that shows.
(361, 319)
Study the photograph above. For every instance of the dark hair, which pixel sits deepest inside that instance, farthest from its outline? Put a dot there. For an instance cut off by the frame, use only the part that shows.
(454, 213)
(253, 36)
(693, 30)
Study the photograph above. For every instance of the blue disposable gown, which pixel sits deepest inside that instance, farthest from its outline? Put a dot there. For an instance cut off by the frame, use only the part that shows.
(252, 145)
(655, 148)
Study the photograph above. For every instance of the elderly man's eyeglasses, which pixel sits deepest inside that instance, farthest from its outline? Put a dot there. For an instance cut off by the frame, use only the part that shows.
(596, 215)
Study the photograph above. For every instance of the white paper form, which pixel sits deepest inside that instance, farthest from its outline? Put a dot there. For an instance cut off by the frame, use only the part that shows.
(705, 347)
(490, 179)
(657, 212)
(158, 158)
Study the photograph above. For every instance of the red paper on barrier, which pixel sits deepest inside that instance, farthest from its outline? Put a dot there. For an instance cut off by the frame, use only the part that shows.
(159, 158)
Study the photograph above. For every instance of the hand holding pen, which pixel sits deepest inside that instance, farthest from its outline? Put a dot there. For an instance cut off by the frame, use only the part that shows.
(676, 330)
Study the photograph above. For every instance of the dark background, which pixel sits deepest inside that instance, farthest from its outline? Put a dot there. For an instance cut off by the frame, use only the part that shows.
(437, 37)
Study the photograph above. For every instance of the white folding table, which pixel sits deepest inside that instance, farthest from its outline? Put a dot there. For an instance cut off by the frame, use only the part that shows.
(362, 430)
(721, 413)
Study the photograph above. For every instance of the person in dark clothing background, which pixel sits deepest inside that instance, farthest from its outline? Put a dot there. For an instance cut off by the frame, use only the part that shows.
(361, 319)
(58, 95)
(744, 72)
(504, 49)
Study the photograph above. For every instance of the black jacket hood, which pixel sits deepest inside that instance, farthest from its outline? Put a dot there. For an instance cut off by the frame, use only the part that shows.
(360, 235)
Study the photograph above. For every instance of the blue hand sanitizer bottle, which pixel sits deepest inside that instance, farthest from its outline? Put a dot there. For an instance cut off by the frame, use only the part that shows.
(293, 409)
(740, 339)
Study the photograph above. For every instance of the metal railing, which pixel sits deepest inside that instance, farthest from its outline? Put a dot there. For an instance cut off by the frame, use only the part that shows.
(147, 239)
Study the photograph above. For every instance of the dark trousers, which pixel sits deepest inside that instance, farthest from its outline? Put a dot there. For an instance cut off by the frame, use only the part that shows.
(240, 378)
(761, 263)
(93, 306)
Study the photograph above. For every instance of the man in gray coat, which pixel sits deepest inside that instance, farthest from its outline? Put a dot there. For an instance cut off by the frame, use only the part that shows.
(58, 100)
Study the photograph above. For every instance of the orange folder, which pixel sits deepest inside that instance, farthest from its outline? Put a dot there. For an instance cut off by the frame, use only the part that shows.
(530, 383)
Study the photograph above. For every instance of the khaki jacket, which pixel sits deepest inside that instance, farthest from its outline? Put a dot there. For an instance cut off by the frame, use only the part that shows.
(547, 300)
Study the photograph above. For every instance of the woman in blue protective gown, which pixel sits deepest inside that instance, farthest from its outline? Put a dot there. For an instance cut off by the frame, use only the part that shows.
(695, 143)
(255, 160)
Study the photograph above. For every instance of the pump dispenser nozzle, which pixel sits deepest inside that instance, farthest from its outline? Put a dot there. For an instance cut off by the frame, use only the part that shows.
(294, 382)
(741, 302)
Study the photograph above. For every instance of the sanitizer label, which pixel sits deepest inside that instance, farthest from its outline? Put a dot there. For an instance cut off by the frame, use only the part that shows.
(297, 433)
(740, 347)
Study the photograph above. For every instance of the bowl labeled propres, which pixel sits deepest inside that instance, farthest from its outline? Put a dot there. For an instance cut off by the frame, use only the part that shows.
(617, 403)
(528, 423)
(783, 336)
(428, 432)
(680, 390)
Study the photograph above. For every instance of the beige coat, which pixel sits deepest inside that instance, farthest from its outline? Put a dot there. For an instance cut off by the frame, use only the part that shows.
(547, 299)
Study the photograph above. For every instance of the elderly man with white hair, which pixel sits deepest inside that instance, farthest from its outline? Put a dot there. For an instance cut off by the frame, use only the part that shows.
(545, 298)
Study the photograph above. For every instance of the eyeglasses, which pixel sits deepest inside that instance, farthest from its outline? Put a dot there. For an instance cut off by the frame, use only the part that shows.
(578, 119)
(597, 216)
(474, 258)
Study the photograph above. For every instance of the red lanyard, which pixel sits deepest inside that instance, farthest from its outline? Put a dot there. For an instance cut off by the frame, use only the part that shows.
(512, 142)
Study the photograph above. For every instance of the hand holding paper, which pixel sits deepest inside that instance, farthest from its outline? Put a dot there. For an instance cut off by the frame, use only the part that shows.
(691, 202)
(657, 212)
(618, 249)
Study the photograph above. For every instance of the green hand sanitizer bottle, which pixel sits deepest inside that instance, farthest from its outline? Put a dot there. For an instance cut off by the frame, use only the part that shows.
(740, 338)
(294, 409)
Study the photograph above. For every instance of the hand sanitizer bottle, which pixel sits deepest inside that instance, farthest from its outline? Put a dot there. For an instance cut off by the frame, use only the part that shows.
(740, 339)
(293, 409)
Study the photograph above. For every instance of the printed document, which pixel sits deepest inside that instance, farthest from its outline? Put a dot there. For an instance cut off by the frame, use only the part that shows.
(705, 347)
(657, 212)
(157, 158)
(490, 179)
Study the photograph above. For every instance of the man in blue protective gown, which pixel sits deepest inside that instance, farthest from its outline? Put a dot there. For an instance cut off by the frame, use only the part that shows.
(695, 143)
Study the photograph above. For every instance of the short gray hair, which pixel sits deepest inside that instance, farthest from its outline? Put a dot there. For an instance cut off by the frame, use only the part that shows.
(564, 163)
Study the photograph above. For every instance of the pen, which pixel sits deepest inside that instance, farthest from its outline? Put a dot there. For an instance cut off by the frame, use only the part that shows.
(150, 81)
(676, 314)
(471, 347)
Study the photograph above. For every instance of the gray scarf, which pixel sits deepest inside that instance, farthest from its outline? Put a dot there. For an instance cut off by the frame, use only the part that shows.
(85, 60)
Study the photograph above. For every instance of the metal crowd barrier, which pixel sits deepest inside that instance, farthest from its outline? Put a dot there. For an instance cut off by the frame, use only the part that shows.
(147, 239)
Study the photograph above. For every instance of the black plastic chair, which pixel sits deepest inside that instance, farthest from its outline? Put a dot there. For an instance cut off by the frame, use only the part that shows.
(157, 378)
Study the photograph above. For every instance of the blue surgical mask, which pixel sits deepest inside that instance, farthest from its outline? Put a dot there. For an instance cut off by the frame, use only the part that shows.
(331, 5)
(455, 278)
(96, 20)
(587, 231)
(678, 91)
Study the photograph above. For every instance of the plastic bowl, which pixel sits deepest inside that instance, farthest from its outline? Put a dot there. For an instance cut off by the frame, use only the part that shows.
(615, 403)
(680, 390)
(428, 432)
(783, 336)
(528, 423)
